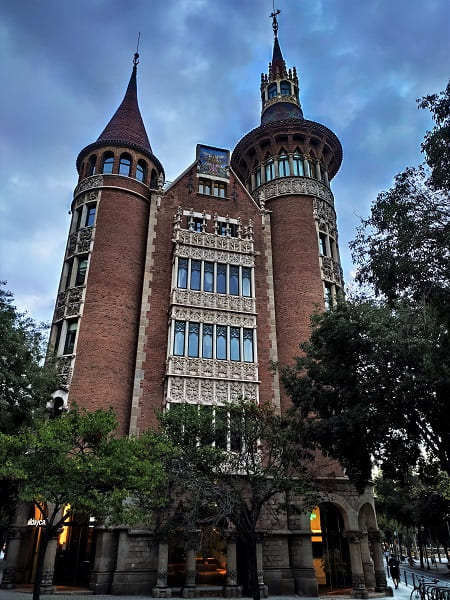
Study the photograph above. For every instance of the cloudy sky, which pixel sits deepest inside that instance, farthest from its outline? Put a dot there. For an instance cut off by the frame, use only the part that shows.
(65, 66)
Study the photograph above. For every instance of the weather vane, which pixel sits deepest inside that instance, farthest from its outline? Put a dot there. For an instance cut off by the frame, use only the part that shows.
(274, 15)
(136, 54)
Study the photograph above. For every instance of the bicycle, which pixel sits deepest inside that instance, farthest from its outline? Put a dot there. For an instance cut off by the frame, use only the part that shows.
(425, 590)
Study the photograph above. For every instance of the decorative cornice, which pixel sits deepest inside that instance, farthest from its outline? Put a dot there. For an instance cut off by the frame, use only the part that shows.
(211, 316)
(212, 368)
(212, 300)
(214, 255)
(212, 241)
(87, 184)
(211, 392)
(287, 186)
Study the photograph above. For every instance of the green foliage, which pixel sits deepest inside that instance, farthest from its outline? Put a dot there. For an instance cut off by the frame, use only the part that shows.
(237, 460)
(377, 366)
(25, 382)
(75, 460)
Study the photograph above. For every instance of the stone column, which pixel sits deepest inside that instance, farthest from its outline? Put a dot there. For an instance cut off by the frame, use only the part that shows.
(15, 536)
(191, 571)
(232, 590)
(49, 566)
(369, 574)
(264, 590)
(358, 581)
(161, 590)
(378, 563)
(104, 563)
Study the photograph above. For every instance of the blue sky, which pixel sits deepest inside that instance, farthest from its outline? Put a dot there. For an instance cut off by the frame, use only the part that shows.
(65, 66)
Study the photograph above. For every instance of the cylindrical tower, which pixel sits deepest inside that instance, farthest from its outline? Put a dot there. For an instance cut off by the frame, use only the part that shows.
(286, 164)
(96, 320)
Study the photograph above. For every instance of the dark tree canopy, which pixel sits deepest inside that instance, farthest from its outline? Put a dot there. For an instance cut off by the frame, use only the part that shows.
(375, 373)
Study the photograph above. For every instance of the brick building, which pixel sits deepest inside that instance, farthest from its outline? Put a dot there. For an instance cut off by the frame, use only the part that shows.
(185, 292)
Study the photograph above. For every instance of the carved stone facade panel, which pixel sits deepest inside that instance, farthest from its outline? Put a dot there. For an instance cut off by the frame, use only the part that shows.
(86, 184)
(212, 300)
(211, 316)
(69, 303)
(212, 241)
(64, 370)
(210, 367)
(214, 255)
(294, 185)
(80, 241)
(331, 270)
(325, 215)
(208, 392)
(91, 196)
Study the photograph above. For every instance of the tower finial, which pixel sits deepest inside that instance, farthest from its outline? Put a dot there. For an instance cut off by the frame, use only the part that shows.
(136, 54)
(274, 16)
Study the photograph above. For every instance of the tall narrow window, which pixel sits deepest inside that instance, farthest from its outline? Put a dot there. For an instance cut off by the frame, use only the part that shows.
(207, 341)
(141, 171)
(69, 274)
(219, 189)
(298, 165)
(91, 165)
(182, 273)
(79, 215)
(71, 334)
(125, 165)
(221, 427)
(221, 285)
(283, 166)
(81, 271)
(270, 171)
(234, 281)
(193, 339)
(195, 274)
(235, 431)
(246, 281)
(221, 342)
(272, 90)
(235, 343)
(178, 340)
(258, 177)
(108, 163)
(206, 433)
(248, 345)
(204, 186)
(208, 277)
(90, 215)
(328, 296)
(285, 88)
(323, 244)
(57, 338)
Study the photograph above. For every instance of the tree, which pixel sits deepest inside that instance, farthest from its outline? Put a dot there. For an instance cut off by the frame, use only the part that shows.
(377, 366)
(82, 468)
(26, 383)
(241, 459)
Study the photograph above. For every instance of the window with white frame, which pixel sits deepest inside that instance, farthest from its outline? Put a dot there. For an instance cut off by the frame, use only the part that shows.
(221, 342)
(283, 166)
(206, 276)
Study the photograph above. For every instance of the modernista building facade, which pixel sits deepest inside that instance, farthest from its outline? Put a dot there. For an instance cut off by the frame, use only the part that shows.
(184, 293)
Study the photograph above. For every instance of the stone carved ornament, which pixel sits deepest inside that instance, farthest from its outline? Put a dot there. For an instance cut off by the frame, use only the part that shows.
(213, 317)
(209, 392)
(212, 300)
(209, 240)
(91, 196)
(211, 367)
(86, 184)
(214, 255)
(294, 185)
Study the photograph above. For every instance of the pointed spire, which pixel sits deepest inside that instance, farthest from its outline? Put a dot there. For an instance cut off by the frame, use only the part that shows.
(279, 88)
(126, 126)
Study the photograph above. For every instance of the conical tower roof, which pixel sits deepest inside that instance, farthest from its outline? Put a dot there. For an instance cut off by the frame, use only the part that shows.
(126, 126)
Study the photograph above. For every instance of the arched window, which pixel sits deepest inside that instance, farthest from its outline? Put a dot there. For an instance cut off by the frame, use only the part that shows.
(270, 171)
(91, 165)
(285, 88)
(125, 165)
(108, 163)
(141, 171)
(298, 165)
(283, 166)
(272, 90)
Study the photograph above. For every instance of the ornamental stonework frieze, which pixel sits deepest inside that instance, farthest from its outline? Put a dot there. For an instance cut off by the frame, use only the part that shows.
(210, 367)
(213, 317)
(284, 186)
(64, 370)
(86, 184)
(91, 196)
(80, 241)
(208, 392)
(68, 303)
(325, 215)
(209, 240)
(331, 270)
(212, 300)
(214, 255)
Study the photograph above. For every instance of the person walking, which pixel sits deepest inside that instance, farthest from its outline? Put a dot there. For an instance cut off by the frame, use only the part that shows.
(394, 569)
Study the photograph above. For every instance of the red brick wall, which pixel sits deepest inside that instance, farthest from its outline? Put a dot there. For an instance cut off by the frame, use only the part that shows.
(106, 346)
